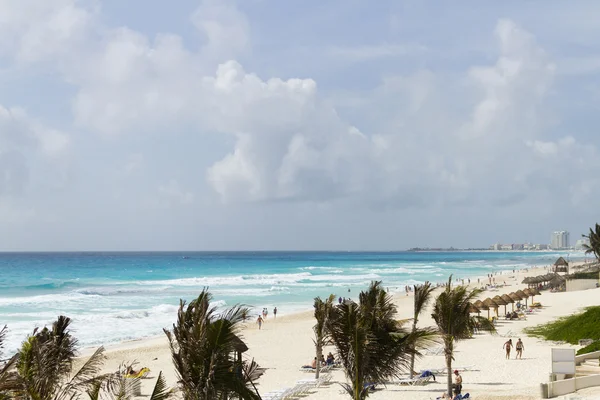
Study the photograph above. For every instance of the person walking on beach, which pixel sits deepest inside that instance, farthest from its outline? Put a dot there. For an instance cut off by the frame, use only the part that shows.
(275, 313)
(519, 347)
(507, 346)
(259, 321)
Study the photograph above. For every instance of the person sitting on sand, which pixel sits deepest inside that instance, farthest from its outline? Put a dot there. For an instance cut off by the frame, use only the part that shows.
(330, 359)
(323, 362)
(519, 347)
(312, 365)
(507, 346)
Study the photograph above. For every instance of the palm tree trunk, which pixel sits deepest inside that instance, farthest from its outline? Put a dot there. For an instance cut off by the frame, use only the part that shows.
(319, 352)
(412, 356)
(448, 352)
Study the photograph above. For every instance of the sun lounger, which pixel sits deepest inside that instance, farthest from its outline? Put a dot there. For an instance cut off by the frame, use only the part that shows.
(435, 351)
(413, 382)
(143, 373)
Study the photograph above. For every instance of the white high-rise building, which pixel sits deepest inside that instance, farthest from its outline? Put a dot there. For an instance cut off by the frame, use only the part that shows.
(559, 240)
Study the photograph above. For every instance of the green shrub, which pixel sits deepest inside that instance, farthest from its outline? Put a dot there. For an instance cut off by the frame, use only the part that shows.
(584, 275)
(590, 348)
(572, 328)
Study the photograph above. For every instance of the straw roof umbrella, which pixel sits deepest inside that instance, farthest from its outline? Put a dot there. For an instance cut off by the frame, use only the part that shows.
(509, 300)
(491, 304)
(515, 296)
(523, 296)
(500, 301)
(529, 280)
(474, 309)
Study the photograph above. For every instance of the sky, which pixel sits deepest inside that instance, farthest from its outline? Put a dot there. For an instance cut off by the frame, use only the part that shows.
(296, 125)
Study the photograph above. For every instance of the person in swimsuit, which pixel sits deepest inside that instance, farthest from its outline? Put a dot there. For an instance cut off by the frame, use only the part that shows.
(507, 346)
(275, 313)
(259, 321)
(520, 347)
(457, 382)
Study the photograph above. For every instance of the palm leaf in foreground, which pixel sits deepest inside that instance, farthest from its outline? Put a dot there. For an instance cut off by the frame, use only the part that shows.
(161, 391)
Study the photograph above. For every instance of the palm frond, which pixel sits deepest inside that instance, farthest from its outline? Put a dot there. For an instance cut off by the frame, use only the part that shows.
(161, 391)
(88, 373)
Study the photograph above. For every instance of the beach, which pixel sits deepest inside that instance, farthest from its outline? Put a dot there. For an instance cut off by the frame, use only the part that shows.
(285, 344)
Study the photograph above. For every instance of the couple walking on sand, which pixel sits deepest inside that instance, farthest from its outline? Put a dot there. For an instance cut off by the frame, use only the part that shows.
(519, 347)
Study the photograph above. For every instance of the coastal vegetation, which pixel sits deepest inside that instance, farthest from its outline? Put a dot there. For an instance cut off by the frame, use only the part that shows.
(43, 369)
(202, 342)
(371, 343)
(454, 322)
(571, 329)
(422, 294)
(323, 314)
(594, 242)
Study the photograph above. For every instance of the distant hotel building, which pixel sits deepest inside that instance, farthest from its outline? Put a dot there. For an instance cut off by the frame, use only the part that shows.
(518, 246)
(559, 240)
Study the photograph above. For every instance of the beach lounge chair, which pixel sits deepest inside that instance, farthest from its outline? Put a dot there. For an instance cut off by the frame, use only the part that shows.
(419, 381)
(141, 374)
(435, 351)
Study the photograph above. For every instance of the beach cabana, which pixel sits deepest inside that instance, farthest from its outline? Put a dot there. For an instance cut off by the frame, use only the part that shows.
(509, 300)
(561, 265)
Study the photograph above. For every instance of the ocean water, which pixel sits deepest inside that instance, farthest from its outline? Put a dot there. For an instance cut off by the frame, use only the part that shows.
(113, 297)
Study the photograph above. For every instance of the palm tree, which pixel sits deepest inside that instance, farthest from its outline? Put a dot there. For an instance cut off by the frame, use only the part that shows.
(421, 299)
(323, 312)
(45, 365)
(371, 344)
(594, 238)
(202, 343)
(8, 379)
(454, 322)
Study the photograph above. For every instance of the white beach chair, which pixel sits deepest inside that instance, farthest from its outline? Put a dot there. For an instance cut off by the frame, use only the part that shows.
(435, 351)
(418, 381)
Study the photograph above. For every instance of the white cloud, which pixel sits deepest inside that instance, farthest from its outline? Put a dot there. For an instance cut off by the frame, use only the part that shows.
(173, 192)
(33, 30)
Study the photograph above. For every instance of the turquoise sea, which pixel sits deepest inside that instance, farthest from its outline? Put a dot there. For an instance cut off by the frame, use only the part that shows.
(119, 296)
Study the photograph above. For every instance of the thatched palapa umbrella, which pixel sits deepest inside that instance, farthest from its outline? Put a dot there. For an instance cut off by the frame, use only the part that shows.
(509, 300)
(500, 301)
(515, 296)
(491, 304)
(523, 296)
(474, 309)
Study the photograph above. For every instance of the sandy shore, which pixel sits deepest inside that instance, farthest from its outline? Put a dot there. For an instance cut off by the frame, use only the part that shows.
(283, 345)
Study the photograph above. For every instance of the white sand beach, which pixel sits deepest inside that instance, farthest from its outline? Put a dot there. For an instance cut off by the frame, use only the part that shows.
(283, 345)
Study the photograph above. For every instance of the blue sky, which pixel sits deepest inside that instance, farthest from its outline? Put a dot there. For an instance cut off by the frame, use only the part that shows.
(263, 124)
